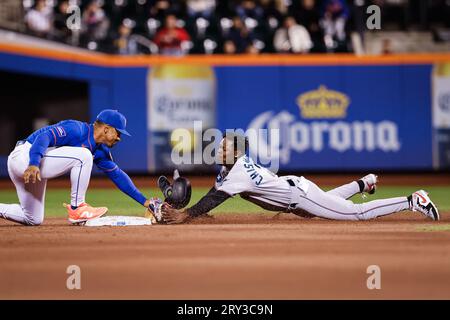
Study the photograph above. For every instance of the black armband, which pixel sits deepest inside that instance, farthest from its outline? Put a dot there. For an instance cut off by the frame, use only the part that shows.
(211, 200)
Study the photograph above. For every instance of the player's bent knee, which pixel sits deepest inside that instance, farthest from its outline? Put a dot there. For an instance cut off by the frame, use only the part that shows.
(34, 221)
(85, 156)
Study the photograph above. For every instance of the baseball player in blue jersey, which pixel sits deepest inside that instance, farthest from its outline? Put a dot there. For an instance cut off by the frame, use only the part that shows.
(68, 146)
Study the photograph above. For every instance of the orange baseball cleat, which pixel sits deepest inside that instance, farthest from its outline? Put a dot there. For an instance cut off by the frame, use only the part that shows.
(84, 212)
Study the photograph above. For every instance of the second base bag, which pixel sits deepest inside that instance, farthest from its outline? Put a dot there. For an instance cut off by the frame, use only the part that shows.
(118, 221)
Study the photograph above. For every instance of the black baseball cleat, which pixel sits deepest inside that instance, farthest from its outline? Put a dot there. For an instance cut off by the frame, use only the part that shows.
(420, 201)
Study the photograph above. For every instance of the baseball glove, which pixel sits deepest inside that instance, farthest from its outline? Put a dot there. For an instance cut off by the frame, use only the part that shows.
(153, 211)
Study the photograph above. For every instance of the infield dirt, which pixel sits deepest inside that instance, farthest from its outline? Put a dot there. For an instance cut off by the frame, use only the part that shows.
(229, 257)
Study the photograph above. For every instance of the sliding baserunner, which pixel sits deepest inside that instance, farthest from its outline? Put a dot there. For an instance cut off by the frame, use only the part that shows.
(291, 193)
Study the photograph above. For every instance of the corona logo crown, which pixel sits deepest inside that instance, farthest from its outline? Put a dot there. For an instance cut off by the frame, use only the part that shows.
(323, 103)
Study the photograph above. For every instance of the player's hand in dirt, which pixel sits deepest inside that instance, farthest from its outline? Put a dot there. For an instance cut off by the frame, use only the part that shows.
(32, 174)
(173, 216)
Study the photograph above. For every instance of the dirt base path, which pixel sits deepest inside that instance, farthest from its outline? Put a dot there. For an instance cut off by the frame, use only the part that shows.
(229, 257)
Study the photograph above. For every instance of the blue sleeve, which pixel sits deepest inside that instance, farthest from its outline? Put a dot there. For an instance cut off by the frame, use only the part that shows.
(120, 179)
(37, 150)
(124, 183)
(53, 136)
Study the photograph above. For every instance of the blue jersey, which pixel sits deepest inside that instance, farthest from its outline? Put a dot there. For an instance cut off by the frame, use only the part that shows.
(74, 133)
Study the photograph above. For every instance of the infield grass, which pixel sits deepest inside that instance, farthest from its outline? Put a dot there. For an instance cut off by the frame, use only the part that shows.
(120, 204)
(440, 227)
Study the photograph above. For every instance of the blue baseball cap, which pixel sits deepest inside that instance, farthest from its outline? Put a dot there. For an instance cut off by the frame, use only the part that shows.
(114, 119)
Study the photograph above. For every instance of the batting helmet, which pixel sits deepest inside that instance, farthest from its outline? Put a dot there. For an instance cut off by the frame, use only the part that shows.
(177, 194)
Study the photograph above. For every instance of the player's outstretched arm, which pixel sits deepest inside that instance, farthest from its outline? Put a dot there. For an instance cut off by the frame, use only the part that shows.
(124, 183)
(210, 201)
(103, 160)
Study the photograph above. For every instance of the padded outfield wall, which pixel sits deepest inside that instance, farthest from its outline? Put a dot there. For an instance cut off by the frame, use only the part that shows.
(336, 112)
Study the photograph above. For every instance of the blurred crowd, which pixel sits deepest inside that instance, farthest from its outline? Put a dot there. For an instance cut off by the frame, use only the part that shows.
(172, 27)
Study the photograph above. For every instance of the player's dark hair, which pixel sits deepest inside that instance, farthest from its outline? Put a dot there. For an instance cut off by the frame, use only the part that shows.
(240, 141)
(99, 123)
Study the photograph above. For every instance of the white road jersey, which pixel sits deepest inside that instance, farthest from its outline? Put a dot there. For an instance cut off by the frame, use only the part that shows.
(257, 184)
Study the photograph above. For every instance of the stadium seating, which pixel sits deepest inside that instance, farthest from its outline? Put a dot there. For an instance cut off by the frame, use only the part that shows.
(130, 26)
